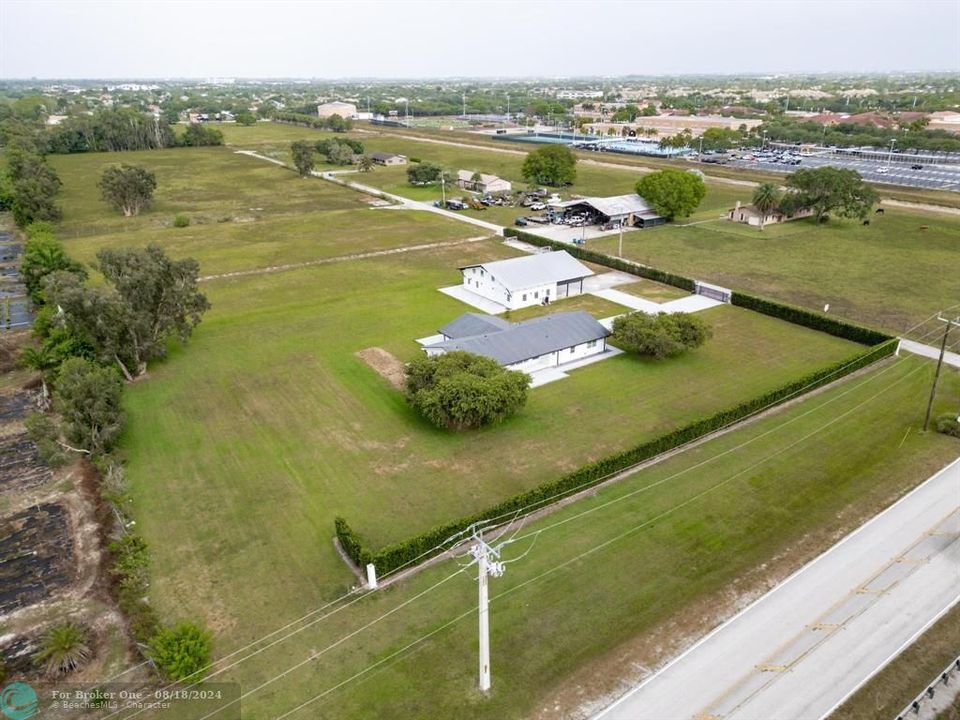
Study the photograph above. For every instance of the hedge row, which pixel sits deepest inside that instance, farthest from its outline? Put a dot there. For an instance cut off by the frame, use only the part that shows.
(581, 253)
(799, 316)
(431, 542)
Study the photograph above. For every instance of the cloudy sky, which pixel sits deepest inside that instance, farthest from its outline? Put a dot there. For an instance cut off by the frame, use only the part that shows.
(441, 38)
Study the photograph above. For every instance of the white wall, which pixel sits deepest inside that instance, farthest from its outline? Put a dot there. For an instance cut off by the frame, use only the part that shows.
(479, 281)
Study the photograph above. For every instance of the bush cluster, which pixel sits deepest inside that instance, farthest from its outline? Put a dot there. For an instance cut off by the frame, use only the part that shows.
(660, 336)
(394, 556)
(461, 391)
(807, 318)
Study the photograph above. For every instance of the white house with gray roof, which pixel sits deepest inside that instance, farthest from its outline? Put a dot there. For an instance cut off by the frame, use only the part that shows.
(542, 342)
(529, 280)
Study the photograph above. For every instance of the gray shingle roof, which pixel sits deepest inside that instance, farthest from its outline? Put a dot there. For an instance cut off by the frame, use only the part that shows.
(531, 338)
(383, 155)
(533, 270)
(470, 324)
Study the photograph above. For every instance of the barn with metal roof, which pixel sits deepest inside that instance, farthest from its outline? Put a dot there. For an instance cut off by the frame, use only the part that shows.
(628, 210)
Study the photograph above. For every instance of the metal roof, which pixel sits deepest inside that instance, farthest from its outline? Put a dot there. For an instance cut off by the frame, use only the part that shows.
(534, 270)
(470, 324)
(383, 155)
(531, 338)
(616, 206)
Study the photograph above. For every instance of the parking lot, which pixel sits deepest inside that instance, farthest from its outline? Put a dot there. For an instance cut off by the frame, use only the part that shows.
(937, 177)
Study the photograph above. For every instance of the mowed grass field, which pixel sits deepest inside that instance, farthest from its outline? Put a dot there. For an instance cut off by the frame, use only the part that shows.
(612, 583)
(895, 272)
(268, 425)
(244, 213)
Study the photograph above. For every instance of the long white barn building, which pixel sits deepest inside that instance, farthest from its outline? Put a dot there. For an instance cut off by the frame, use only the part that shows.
(525, 281)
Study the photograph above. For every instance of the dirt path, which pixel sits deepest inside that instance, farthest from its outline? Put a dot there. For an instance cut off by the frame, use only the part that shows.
(341, 258)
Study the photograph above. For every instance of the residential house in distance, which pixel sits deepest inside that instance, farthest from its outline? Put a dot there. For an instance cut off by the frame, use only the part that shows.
(344, 110)
(548, 341)
(481, 182)
(381, 158)
(525, 281)
(749, 215)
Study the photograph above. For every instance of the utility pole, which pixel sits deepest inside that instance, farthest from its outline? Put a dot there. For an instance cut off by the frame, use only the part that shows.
(488, 564)
(620, 249)
(936, 375)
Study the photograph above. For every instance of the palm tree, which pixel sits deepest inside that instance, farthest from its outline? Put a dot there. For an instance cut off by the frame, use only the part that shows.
(365, 163)
(765, 198)
(63, 649)
(42, 359)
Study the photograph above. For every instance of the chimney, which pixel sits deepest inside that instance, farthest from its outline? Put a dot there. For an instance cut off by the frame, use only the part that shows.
(737, 206)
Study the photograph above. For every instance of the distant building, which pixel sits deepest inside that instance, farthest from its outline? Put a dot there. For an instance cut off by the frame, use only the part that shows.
(749, 215)
(388, 158)
(484, 183)
(579, 94)
(344, 110)
(547, 341)
(525, 281)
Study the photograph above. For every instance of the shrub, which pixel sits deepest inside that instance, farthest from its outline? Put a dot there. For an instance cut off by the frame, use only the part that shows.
(63, 649)
(948, 425)
(181, 221)
(659, 336)
(44, 432)
(182, 652)
(460, 391)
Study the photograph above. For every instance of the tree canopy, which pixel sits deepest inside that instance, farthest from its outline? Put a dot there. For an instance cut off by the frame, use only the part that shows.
(460, 390)
(303, 159)
(831, 190)
(88, 398)
(149, 300)
(424, 173)
(552, 165)
(660, 336)
(672, 193)
(128, 188)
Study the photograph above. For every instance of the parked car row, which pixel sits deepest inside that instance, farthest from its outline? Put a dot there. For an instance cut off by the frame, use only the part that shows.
(784, 157)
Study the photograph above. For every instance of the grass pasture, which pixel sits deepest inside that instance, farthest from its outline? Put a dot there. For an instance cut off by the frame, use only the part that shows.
(244, 445)
(271, 424)
(618, 587)
(245, 213)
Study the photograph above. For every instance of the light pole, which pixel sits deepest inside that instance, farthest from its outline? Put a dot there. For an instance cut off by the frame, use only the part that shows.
(700, 151)
(890, 156)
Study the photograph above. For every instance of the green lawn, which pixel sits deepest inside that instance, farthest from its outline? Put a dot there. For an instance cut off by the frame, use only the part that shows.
(245, 213)
(600, 593)
(895, 272)
(269, 425)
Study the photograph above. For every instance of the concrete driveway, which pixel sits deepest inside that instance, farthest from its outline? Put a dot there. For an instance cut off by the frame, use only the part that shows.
(803, 648)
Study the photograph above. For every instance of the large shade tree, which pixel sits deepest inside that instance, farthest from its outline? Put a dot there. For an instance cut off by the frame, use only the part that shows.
(831, 190)
(552, 165)
(128, 188)
(672, 193)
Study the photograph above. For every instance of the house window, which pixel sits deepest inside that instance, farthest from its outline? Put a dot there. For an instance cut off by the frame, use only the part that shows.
(524, 297)
(536, 294)
(592, 343)
(573, 350)
(547, 292)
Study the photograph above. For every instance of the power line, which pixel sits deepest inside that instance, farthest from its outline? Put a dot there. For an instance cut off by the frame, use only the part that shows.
(604, 544)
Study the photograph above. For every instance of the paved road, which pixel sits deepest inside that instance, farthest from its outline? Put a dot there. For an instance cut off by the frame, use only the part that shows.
(803, 648)
(949, 358)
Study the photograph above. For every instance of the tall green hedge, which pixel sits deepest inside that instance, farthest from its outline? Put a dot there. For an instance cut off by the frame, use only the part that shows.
(431, 542)
(581, 253)
(799, 316)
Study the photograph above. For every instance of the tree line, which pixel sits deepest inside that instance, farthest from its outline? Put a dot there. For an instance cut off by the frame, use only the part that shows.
(89, 338)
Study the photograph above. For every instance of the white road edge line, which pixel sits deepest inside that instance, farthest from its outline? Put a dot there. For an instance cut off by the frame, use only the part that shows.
(893, 656)
(768, 594)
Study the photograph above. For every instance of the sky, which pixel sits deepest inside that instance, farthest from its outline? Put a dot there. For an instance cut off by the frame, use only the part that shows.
(463, 38)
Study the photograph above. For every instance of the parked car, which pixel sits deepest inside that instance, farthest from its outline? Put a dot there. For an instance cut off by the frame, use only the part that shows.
(521, 222)
(916, 167)
(538, 206)
(883, 170)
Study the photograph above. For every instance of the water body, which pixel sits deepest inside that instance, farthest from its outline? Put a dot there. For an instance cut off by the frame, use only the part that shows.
(16, 310)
